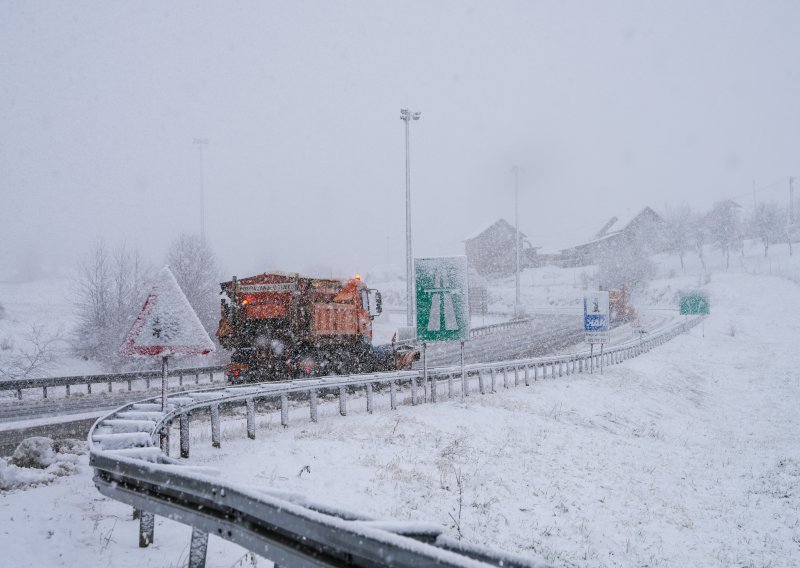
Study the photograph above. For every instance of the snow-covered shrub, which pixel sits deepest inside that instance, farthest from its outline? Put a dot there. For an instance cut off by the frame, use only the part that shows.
(70, 446)
(2, 311)
(34, 452)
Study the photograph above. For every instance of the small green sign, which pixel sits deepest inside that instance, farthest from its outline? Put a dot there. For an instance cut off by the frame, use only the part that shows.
(442, 298)
(694, 303)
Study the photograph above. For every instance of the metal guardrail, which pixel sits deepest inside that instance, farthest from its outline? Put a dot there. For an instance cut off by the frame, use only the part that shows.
(110, 379)
(19, 385)
(129, 452)
(502, 326)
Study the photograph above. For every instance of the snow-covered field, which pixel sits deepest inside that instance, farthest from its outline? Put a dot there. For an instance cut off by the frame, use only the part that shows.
(687, 455)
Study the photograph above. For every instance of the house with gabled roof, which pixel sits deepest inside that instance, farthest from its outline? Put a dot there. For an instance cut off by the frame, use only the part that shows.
(645, 229)
(492, 251)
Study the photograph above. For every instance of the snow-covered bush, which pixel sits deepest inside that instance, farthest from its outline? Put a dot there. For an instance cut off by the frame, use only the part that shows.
(34, 452)
(70, 446)
(38, 461)
(2, 311)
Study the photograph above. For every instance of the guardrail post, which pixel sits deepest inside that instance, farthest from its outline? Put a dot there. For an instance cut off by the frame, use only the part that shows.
(343, 401)
(567, 364)
(44, 392)
(147, 523)
(88, 388)
(183, 422)
(198, 549)
(370, 401)
(251, 418)
(147, 382)
(197, 378)
(527, 375)
(393, 395)
(215, 426)
(516, 376)
(110, 388)
(481, 385)
(312, 404)
(414, 390)
(494, 378)
(66, 386)
(433, 389)
(450, 385)
(560, 367)
(164, 437)
(505, 377)
(130, 386)
(180, 380)
(284, 410)
(19, 393)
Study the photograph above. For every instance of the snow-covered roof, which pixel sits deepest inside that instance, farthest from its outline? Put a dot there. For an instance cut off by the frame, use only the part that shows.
(501, 222)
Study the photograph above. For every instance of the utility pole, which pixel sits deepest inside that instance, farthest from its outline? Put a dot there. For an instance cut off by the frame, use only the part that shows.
(407, 116)
(201, 143)
(515, 171)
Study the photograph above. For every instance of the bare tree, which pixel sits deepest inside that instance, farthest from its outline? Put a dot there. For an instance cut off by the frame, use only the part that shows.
(767, 224)
(195, 267)
(679, 230)
(725, 228)
(35, 357)
(699, 237)
(109, 289)
(92, 285)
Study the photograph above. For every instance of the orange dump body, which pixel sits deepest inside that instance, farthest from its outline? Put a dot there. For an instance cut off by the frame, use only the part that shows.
(281, 319)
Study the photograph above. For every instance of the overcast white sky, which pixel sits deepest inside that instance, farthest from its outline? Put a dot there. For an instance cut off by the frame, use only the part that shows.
(607, 106)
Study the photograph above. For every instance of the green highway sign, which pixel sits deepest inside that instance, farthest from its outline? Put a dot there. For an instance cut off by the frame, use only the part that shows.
(442, 298)
(694, 303)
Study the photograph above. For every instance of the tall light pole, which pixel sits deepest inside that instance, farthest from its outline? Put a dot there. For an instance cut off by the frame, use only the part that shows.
(515, 171)
(201, 143)
(407, 116)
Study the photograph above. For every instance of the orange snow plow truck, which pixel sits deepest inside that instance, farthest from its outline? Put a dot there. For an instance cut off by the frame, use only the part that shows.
(282, 326)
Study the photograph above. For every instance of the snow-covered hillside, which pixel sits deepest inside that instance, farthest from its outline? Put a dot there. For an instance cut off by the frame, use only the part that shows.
(687, 455)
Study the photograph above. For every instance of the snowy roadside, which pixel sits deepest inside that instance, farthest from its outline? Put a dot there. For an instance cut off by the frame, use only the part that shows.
(686, 455)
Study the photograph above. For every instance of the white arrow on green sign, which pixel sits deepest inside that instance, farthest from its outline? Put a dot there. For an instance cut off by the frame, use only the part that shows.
(442, 298)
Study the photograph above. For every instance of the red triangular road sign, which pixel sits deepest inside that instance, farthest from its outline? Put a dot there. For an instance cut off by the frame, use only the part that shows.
(167, 324)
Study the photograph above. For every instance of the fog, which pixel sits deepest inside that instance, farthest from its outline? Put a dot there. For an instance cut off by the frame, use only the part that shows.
(605, 106)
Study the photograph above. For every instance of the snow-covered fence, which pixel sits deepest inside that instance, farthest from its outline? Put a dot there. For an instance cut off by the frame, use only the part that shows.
(129, 450)
(192, 374)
